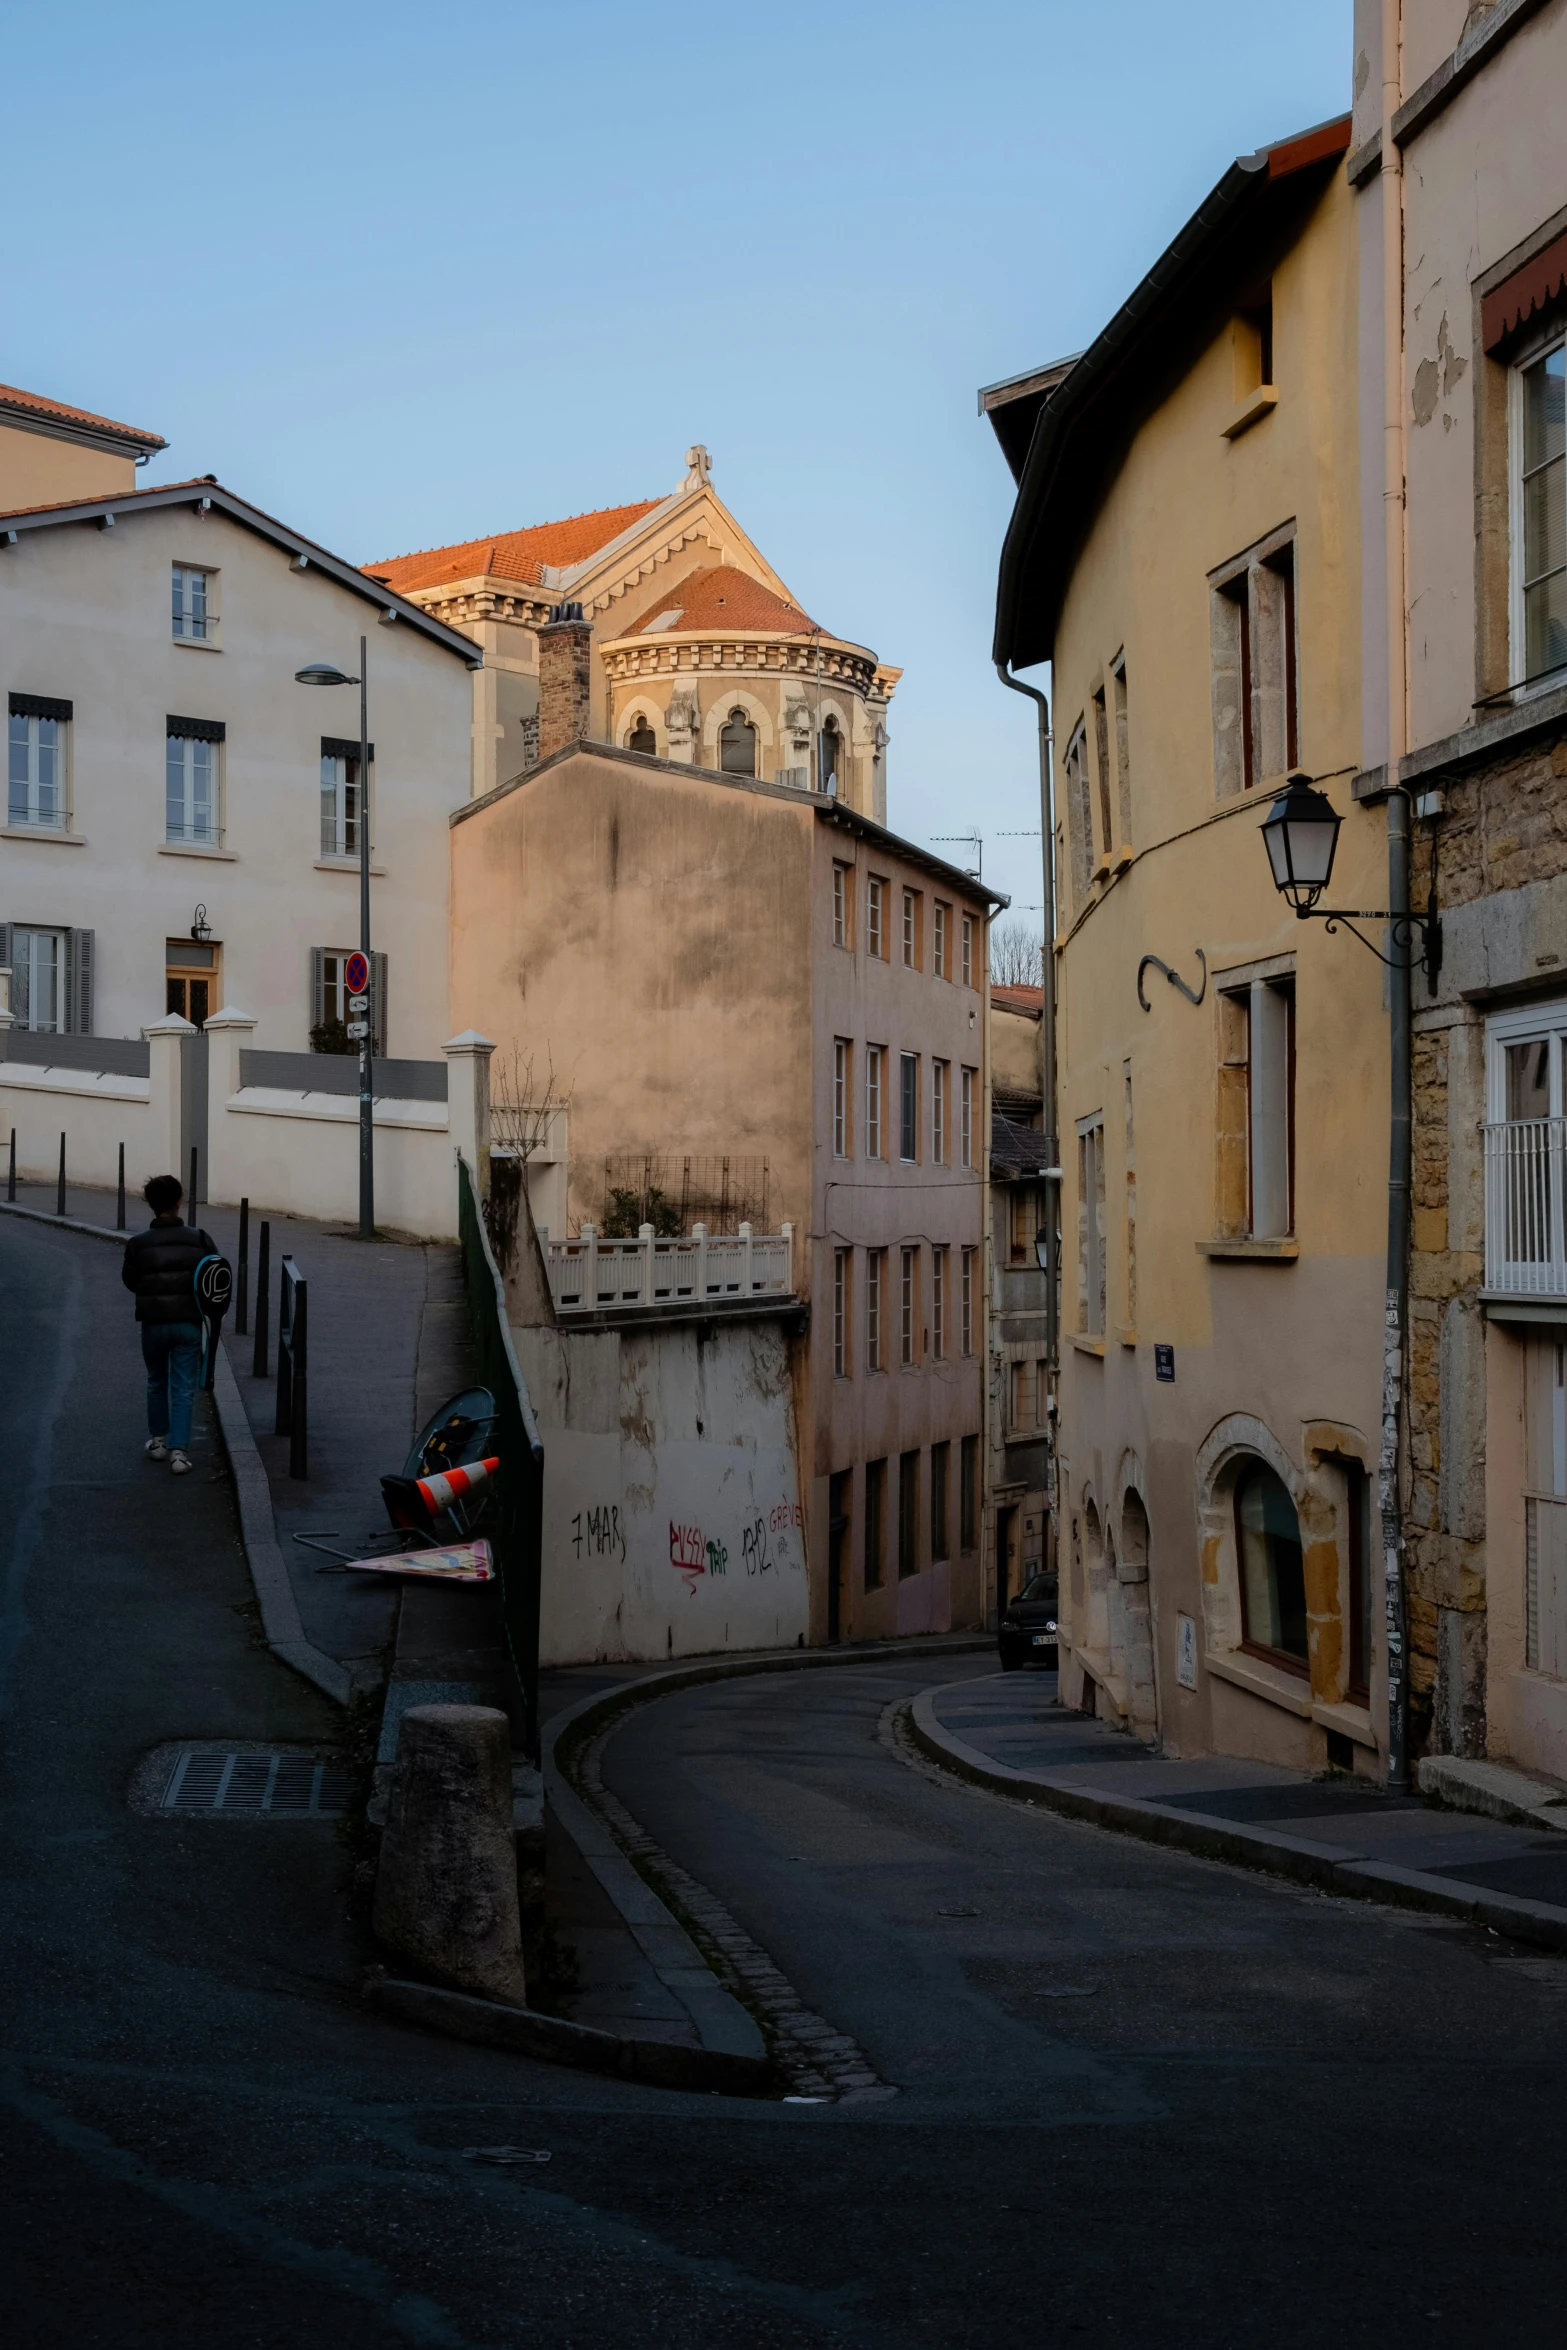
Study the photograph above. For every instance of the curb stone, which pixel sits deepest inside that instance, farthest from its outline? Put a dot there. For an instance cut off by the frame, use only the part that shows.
(280, 1619)
(1333, 1868)
(523, 2031)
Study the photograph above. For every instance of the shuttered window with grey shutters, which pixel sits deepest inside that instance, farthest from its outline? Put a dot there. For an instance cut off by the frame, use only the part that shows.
(61, 963)
(329, 997)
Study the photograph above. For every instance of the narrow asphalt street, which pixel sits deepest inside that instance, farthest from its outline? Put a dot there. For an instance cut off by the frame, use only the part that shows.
(1140, 2096)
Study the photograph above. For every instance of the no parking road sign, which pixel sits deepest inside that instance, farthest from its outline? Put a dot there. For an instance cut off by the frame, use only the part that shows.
(356, 973)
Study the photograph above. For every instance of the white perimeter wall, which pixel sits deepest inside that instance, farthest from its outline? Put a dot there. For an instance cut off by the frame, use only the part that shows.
(672, 1518)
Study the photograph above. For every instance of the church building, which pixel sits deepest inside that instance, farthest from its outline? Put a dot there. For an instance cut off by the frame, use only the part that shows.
(699, 654)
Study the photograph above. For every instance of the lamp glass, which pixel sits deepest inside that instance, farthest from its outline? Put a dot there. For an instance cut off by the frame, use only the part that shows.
(1301, 833)
(322, 673)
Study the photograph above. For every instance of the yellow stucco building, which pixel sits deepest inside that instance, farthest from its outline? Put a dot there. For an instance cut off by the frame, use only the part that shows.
(1185, 552)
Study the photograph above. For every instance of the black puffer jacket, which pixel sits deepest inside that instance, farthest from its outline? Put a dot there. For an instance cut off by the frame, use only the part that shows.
(160, 1266)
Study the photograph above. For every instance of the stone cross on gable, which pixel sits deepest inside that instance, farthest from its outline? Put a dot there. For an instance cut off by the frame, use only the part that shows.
(698, 466)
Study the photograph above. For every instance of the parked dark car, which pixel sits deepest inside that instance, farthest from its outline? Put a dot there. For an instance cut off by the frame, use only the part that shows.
(1026, 1634)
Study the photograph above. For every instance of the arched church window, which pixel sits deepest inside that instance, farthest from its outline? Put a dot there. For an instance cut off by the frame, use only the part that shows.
(830, 762)
(1272, 1575)
(737, 745)
(643, 739)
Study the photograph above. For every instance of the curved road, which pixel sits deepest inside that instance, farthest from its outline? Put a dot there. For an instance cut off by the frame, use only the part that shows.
(1141, 2097)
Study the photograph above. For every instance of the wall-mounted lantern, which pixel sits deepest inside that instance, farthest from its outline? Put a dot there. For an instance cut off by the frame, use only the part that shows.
(1301, 832)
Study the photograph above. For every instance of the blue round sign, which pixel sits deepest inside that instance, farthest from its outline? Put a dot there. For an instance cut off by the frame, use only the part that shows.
(356, 973)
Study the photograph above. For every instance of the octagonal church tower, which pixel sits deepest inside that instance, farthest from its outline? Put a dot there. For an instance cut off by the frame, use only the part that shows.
(696, 650)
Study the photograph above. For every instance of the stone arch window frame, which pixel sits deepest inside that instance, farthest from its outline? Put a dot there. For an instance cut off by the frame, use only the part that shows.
(739, 720)
(639, 707)
(1225, 1452)
(842, 718)
(716, 717)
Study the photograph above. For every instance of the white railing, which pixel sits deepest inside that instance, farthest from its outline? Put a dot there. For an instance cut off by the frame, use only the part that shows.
(1524, 1252)
(591, 1275)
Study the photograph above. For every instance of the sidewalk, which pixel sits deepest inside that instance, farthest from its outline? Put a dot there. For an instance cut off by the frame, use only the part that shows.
(389, 1341)
(1010, 1733)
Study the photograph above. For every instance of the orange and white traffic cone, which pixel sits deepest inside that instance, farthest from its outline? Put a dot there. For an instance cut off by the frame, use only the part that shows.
(438, 1493)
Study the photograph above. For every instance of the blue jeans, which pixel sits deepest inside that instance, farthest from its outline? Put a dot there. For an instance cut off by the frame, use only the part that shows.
(172, 1354)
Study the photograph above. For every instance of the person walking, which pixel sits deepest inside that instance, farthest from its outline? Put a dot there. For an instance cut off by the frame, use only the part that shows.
(160, 1268)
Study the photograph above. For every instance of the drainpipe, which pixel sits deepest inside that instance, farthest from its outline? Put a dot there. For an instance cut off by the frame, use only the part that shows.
(1047, 1020)
(1397, 1301)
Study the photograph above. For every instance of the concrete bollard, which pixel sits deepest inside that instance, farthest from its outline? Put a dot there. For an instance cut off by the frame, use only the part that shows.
(446, 1889)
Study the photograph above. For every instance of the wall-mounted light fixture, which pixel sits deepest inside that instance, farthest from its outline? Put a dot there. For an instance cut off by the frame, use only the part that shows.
(1301, 832)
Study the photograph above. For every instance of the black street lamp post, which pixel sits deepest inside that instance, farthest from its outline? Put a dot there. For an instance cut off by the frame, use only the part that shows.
(323, 673)
(1300, 833)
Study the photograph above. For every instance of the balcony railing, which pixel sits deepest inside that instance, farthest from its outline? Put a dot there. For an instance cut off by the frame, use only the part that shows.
(591, 1275)
(1524, 1229)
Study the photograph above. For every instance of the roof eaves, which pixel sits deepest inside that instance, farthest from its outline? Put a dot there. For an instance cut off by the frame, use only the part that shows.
(222, 501)
(55, 419)
(833, 811)
(1169, 279)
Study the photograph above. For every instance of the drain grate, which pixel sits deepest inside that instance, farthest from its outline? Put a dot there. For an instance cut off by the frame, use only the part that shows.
(273, 1783)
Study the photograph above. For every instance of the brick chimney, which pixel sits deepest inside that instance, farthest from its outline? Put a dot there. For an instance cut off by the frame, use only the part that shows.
(564, 643)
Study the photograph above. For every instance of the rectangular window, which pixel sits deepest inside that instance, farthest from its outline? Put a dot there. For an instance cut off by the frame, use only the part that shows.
(908, 1107)
(875, 1274)
(1255, 690)
(841, 886)
(1123, 761)
(940, 1501)
(1022, 1224)
(940, 1082)
(968, 950)
(51, 978)
(1020, 1395)
(912, 942)
(909, 1310)
(842, 1076)
(842, 1307)
(341, 801)
(874, 1057)
(1540, 531)
(875, 1523)
(938, 1303)
(875, 909)
(966, 1094)
(193, 781)
(1102, 760)
(1256, 1110)
(1091, 1227)
(968, 1494)
(940, 960)
(966, 1303)
(195, 605)
(908, 1515)
(1079, 814)
(36, 762)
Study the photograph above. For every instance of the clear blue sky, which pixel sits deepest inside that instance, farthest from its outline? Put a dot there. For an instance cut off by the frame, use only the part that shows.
(405, 274)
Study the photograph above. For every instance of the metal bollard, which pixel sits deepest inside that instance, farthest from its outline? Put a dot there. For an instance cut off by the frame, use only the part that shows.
(292, 1418)
(59, 1196)
(119, 1205)
(241, 1303)
(258, 1367)
(10, 1181)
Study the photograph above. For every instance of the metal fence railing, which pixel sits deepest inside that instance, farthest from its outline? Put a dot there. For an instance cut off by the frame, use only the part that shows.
(1525, 1242)
(517, 1515)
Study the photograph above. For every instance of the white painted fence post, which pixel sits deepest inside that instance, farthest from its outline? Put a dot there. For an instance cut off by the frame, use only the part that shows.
(788, 1241)
(699, 1235)
(745, 1261)
(645, 1235)
(164, 1042)
(225, 1178)
(468, 1104)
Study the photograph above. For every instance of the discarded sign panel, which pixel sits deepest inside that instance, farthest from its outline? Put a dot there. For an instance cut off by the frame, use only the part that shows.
(462, 1562)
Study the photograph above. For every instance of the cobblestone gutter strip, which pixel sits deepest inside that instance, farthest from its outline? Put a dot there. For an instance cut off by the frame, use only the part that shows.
(280, 1621)
(1335, 1868)
(812, 2059)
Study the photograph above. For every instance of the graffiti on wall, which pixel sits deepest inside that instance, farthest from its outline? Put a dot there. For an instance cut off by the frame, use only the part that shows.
(598, 1533)
(693, 1553)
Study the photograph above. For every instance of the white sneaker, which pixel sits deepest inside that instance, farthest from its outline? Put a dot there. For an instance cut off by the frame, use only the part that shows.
(181, 1463)
(156, 1449)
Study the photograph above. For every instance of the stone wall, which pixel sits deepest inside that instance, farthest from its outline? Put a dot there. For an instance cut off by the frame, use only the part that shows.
(1502, 887)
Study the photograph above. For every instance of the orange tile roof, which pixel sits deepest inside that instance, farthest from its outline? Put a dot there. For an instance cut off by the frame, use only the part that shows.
(1018, 999)
(12, 397)
(512, 554)
(722, 598)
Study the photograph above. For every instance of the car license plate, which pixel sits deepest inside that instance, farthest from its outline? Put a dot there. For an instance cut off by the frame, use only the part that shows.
(1044, 1640)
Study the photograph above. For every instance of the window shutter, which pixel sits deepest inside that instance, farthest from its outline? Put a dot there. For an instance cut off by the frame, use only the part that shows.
(16, 956)
(78, 982)
(317, 986)
(378, 1005)
(6, 963)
